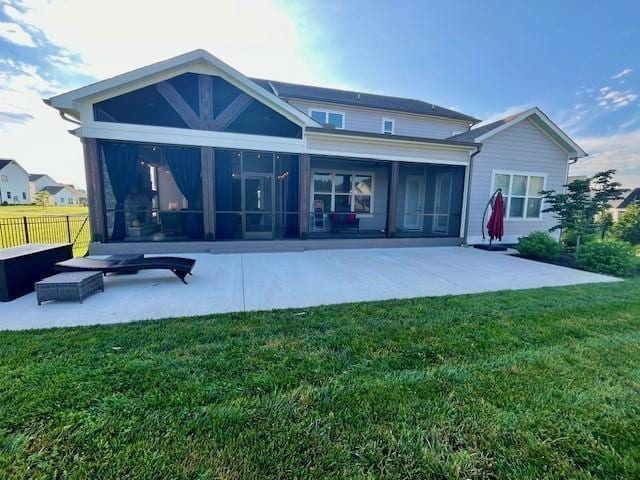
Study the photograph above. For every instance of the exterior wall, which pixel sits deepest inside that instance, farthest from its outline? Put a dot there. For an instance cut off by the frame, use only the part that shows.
(62, 198)
(370, 120)
(17, 184)
(328, 144)
(520, 148)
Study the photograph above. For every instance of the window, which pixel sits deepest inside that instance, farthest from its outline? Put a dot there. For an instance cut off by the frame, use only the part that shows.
(343, 191)
(521, 192)
(326, 117)
(4, 178)
(24, 195)
(9, 195)
(388, 126)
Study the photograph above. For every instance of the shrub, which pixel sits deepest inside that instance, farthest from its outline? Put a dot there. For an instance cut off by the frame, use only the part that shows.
(613, 257)
(627, 227)
(539, 245)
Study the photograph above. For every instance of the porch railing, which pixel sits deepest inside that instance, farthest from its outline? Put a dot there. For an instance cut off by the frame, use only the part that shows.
(74, 229)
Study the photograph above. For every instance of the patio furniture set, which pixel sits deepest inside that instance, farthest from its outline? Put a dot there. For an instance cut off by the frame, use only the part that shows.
(55, 275)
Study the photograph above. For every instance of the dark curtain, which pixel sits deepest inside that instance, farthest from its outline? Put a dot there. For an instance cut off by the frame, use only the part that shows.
(121, 160)
(225, 222)
(185, 165)
(291, 202)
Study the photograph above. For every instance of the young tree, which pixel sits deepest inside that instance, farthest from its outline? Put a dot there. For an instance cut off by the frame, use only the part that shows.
(42, 199)
(628, 225)
(576, 209)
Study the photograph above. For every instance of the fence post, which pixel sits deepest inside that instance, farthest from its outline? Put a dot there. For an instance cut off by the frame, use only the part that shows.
(68, 230)
(26, 229)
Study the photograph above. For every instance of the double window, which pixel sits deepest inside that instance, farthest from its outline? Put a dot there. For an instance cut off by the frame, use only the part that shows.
(343, 192)
(4, 178)
(327, 117)
(388, 126)
(521, 192)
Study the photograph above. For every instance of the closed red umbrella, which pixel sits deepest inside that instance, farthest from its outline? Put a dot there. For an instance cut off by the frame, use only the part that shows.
(495, 226)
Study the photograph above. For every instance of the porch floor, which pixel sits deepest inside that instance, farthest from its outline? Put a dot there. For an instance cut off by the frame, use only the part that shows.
(261, 281)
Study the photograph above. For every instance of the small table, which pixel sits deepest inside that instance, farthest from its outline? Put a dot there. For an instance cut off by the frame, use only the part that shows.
(74, 286)
(21, 267)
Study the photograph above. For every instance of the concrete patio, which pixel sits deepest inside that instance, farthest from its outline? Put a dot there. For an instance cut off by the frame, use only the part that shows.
(262, 281)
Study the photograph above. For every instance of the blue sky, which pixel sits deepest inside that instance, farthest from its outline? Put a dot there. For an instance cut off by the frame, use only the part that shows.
(578, 61)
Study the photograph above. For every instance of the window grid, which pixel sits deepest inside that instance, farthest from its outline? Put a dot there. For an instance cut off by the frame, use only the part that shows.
(352, 194)
(529, 200)
(328, 117)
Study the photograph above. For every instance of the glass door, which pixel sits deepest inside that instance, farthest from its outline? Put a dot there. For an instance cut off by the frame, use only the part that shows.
(413, 202)
(258, 205)
(442, 203)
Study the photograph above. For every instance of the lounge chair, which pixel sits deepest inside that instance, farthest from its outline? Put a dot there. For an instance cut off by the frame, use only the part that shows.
(181, 267)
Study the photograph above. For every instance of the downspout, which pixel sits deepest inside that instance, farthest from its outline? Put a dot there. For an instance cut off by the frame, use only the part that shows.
(466, 223)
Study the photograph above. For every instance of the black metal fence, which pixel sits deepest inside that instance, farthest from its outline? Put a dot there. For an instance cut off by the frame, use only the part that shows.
(15, 231)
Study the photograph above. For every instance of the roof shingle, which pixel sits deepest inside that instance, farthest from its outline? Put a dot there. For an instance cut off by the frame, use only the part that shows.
(359, 99)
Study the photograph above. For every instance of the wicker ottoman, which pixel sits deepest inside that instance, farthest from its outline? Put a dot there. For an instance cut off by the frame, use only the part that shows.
(75, 286)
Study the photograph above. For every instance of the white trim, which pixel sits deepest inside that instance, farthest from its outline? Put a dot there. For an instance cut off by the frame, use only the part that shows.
(535, 111)
(526, 196)
(184, 136)
(399, 158)
(389, 138)
(465, 194)
(327, 113)
(197, 61)
(393, 125)
(353, 173)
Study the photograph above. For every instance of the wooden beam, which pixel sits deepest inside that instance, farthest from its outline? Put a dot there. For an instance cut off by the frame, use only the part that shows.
(208, 193)
(95, 190)
(205, 96)
(305, 191)
(231, 112)
(180, 105)
(392, 199)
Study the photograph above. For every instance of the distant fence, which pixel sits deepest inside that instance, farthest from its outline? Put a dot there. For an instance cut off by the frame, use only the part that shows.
(15, 231)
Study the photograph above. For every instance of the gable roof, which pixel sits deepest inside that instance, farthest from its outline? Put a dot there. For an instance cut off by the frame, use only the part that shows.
(537, 116)
(53, 189)
(36, 176)
(67, 101)
(633, 197)
(4, 162)
(360, 99)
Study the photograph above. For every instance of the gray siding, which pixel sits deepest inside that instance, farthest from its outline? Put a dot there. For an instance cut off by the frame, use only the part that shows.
(370, 120)
(520, 148)
(415, 152)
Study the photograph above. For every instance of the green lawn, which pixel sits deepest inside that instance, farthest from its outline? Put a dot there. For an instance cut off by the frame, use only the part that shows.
(45, 225)
(528, 385)
(32, 210)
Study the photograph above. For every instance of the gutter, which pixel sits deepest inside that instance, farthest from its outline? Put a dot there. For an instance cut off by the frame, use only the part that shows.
(466, 223)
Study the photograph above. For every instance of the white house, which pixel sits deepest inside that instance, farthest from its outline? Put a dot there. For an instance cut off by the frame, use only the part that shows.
(191, 149)
(61, 195)
(14, 183)
(37, 181)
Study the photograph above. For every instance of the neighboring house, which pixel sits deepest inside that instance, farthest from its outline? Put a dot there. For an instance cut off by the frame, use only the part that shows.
(37, 181)
(81, 195)
(14, 183)
(61, 195)
(633, 197)
(191, 149)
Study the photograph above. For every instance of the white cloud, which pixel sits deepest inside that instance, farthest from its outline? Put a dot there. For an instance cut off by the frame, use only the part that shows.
(619, 151)
(615, 99)
(259, 38)
(507, 112)
(621, 74)
(16, 34)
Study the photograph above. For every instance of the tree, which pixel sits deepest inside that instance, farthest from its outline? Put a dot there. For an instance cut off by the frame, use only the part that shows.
(604, 222)
(576, 209)
(42, 199)
(628, 225)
